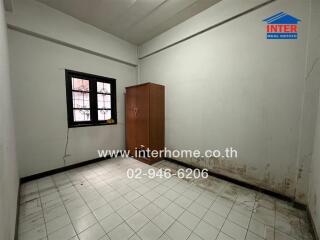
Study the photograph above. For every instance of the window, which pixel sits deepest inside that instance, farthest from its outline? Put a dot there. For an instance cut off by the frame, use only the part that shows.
(91, 99)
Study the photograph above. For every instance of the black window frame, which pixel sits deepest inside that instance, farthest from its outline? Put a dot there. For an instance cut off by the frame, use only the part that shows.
(93, 95)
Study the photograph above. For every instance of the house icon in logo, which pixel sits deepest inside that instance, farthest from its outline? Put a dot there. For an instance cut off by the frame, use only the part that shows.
(282, 26)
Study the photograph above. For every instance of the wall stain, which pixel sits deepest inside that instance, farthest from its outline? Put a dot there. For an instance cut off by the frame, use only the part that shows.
(232, 168)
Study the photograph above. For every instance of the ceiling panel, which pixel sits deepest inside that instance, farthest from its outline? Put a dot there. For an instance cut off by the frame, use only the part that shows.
(136, 21)
(145, 31)
(137, 12)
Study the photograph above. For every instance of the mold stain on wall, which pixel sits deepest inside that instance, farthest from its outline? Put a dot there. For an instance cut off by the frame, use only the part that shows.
(233, 168)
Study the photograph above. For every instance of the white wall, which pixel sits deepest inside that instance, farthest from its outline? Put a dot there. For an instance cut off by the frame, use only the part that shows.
(43, 43)
(8, 168)
(35, 17)
(232, 87)
(313, 69)
(38, 74)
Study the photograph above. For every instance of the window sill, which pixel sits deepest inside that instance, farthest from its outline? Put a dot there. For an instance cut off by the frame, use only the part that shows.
(91, 125)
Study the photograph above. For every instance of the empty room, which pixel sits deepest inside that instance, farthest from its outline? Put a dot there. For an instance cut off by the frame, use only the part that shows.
(159, 119)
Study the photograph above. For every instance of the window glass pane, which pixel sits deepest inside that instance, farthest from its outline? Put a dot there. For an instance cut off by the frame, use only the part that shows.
(104, 101)
(80, 100)
(80, 84)
(81, 115)
(104, 115)
(103, 87)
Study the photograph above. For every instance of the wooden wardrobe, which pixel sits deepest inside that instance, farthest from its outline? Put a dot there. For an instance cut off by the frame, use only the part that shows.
(145, 118)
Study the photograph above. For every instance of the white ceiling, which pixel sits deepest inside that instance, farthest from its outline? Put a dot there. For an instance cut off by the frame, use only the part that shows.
(136, 21)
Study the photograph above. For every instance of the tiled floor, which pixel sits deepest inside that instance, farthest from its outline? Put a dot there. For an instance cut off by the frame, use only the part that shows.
(99, 202)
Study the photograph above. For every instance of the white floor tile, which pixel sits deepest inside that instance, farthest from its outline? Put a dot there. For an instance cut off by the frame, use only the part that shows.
(197, 209)
(220, 208)
(239, 218)
(30, 223)
(150, 232)
(223, 236)
(178, 231)
(103, 211)
(122, 232)
(171, 195)
(111, 221)
(162, 202)
(64, 233)
(57, 223)
(84, 222)
(214, 219)
(174, 210)
(151, 210)
(52, 213)
(152, 195)
(252, 236)
(163, 221)
(234, 230)
(140, 202)
(118, 203)
(194, 237)
(135, 237)
(206, 231)
(34, 234)
(189, 220)
(127, 211)
(130, 196)
(137, 221)
(96, 203)
(94, 232)
(79, 212)
(183, 201)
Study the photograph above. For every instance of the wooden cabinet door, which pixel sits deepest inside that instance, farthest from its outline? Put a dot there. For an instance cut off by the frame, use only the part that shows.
(157, 112)
(131, 112)
(142, 116)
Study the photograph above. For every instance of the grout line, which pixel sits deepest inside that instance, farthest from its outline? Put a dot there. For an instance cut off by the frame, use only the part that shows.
(255, 202)
(64, 205)
(91, 211)
(227, 217)
(42, 210)
(115, 211)
(218, 195)
(185, 209)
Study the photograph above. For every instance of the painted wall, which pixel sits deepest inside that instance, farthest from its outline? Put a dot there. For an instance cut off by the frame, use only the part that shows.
(9, 180)
(43, 43)
(232, 87)
(35, 17)
(313, 68)
(37, 68)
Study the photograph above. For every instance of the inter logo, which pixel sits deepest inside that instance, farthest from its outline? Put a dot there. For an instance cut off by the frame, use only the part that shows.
(282, 26)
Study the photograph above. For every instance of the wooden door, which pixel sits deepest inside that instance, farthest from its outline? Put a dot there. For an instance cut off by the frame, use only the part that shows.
(157, 114)
(131, 110)
(142, 116)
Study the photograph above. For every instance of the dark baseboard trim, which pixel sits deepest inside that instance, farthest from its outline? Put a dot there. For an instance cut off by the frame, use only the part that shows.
(16, 231)
(244, 184)
(313, 225)
(62, 169)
